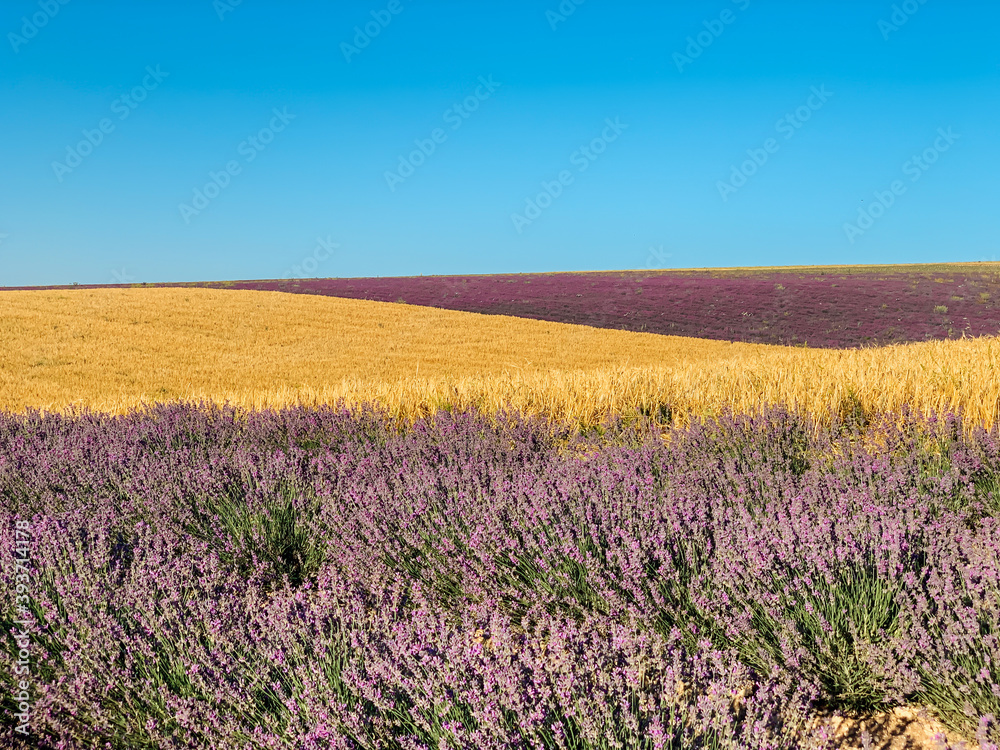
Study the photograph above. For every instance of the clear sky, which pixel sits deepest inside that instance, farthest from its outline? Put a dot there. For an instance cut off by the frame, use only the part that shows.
(199, 140)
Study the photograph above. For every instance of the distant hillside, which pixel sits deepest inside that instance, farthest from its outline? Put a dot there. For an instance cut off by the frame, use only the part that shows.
(834, 307)
(830, 307)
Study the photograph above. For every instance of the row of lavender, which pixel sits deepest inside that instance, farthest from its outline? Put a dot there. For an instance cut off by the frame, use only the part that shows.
(311, 579)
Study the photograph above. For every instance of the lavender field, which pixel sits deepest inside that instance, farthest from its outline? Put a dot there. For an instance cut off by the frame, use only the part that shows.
(834, 308)
(206, 578)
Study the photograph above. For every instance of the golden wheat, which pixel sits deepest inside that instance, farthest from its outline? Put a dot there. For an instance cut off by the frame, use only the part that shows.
(114, 350)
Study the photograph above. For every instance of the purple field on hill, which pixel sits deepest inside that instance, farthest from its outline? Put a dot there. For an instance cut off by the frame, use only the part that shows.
(822, 308)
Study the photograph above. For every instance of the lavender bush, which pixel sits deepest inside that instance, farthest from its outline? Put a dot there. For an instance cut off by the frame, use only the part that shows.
(204, 577)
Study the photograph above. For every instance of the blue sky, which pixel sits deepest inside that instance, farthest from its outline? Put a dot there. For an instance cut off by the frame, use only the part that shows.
(742, 132)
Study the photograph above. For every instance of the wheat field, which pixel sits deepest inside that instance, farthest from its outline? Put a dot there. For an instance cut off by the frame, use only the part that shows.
(113, 350)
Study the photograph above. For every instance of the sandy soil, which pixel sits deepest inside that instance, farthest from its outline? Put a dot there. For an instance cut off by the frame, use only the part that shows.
(903, 728)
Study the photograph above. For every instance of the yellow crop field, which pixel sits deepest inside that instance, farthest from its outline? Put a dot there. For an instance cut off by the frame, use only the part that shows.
(116, 349)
